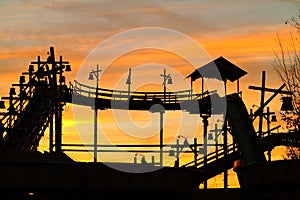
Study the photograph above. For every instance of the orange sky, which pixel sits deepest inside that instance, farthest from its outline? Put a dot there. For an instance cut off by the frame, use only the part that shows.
(243, 32)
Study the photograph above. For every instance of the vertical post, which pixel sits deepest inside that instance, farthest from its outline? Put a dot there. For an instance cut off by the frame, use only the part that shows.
(21, 95)
(191, 89)
(238, 86)
(95, 133)
(268, 129)
(216, 140)
(11, 107)
(95, 73)
(58, 128)
(96, 118)
(57, 107)
(195, 152)
(225, 152)
(225, 87)
(58, 119)
(165, 85)
(205, 124)
(177, 153)
(129, 83)
(161, 137)
(202, 87)
(262, 100)
(51, 133)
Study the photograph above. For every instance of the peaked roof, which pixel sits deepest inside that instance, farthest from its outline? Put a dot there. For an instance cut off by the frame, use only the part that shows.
(227, 70)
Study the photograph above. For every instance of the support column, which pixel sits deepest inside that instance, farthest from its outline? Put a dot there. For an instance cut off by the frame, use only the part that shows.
(205, 124)
(268, 129)
(58, 128)
(195, 152)
(177, 153)
(161, 137)
(225, 152)
(165, 85)
(95, 134)
(51, 133)
(216, 141)
(262, 100)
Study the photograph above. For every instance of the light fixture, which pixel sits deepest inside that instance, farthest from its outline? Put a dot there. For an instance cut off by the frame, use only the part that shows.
(287, 104)
(171, 152)
(2, 104)
(91, 77)
(186, 143)
(31, 68)
(273, 118)
(170, 81)
(210, 136)
(62, 79)
(68, 68)
(22, 79)
(12, 91)
(201, 150)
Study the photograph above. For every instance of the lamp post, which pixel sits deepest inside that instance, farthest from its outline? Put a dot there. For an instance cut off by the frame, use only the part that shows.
(169, 79)
(166, 78)
(179, 148)
(128, 82)
(91, 77)
(205, 117)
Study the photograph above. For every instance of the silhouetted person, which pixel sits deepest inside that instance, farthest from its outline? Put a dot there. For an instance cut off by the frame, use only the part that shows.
(143, 161)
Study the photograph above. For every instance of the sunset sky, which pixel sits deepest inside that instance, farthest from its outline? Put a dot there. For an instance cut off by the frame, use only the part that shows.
(243, 31)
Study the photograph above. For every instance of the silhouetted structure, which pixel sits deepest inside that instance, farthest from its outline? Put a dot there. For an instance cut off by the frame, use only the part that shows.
(42, 97)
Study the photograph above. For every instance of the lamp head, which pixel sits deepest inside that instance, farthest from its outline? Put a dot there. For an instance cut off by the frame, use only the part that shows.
(170, 81)
(91, 77)
(186, 143)
(171, 153)
(210, 136)
(287, 104)
(22, 79)
(12, 91)
(201, 150)
(2, 104)
(68, 68)
(31, 68)
(273, 118)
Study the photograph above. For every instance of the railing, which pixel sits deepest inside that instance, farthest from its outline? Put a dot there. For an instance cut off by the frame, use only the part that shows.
(213, 156)
(276, 139)
(170, 97)
(18, 105)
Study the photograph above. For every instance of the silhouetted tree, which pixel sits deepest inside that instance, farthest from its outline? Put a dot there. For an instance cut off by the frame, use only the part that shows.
(288, 69)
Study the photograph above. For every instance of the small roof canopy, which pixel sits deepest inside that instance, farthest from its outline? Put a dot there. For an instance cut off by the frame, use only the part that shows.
(227, 70)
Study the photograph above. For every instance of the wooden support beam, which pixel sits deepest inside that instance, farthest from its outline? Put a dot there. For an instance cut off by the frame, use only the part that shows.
(269, 90)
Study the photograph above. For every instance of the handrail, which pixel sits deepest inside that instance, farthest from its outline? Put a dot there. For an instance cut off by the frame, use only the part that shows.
(212, 156)
(171, 97)
(8, 119)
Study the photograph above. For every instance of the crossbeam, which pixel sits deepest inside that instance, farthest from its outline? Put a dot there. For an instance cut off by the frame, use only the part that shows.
(269, 90)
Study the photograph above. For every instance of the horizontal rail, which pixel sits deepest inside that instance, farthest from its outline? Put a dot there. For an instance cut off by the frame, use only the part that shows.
(119, 150)
(164, 97)
(220, 153)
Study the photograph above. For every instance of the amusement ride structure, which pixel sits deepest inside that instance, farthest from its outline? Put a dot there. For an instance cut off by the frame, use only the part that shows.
(36, 104)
